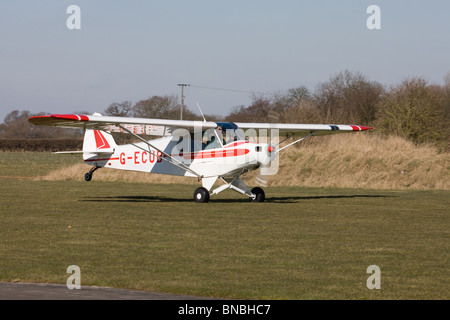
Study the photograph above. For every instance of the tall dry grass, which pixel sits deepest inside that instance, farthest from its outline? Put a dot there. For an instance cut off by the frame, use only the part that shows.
(361, 160)
(76, 172)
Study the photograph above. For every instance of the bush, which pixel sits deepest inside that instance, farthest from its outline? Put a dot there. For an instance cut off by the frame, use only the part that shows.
(412, 110)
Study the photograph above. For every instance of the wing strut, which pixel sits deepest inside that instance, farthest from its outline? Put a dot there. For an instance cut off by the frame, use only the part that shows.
(179, 165)
(290, 144)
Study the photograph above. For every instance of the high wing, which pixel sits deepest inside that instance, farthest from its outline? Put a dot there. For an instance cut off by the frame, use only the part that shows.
(159, 127)
(164, 127)
(289, 129)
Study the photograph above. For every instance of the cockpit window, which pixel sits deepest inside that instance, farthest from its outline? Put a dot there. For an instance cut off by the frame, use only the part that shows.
(228, 132)
(210, 139)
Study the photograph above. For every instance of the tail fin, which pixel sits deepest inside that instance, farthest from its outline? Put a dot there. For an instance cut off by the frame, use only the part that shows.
(97, 142)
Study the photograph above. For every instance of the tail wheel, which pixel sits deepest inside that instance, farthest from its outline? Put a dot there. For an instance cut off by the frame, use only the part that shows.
(260, 196)
(201, 195)
(88, 176)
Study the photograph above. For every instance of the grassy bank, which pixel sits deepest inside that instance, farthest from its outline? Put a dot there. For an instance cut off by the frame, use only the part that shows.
(363, 161)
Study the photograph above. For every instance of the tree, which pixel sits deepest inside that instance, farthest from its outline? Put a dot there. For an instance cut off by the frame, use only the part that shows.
(348, 98)
(280, 107)
(412, 110)
(16, 126)
(297, 106)
(298, 95)
(258, 111)
(122, 109)
(156, 107)
(162, 107)
(305, 111)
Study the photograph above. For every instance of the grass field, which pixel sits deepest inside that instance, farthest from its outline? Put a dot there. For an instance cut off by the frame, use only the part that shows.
(303, 243)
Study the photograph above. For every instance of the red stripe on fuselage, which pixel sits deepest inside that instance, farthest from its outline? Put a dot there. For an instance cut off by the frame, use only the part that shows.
(210, 154)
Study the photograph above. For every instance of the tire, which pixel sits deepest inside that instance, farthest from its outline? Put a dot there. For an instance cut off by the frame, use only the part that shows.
(201, 195)
(88, 176)
(260, 196)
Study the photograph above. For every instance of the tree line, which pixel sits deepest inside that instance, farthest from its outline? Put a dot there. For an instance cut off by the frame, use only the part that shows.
(413, 109)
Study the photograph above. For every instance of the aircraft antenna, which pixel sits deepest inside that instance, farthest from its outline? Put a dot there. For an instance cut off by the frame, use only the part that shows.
(200, 109)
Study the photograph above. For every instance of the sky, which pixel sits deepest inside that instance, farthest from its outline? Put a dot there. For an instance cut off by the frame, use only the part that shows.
(226, 50)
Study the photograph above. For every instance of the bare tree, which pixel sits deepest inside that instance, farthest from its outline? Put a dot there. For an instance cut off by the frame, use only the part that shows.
(258, 111)
(348, 97)
(122, 109)
(16, 126)
(297, 95)
(161, 107)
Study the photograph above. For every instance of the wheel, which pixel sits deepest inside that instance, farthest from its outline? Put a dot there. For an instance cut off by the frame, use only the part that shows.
(88, 176)
(260, 196)
(201, 195)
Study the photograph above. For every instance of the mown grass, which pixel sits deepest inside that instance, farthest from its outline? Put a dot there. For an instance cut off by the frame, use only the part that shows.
(33, 164)
(303, 243)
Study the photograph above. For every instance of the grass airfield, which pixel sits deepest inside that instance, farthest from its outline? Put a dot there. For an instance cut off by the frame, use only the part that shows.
(302, 243)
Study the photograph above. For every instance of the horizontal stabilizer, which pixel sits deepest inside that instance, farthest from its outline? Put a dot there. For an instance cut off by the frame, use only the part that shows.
(68, 152)
(82, 152)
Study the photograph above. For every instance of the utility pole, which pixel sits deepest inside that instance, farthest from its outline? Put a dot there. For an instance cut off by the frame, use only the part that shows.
(182, 85)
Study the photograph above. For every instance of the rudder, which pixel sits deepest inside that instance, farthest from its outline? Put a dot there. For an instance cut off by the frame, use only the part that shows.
(98, 141)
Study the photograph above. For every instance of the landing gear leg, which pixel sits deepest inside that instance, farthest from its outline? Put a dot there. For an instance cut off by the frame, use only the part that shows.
(236, 183)
(88, 176)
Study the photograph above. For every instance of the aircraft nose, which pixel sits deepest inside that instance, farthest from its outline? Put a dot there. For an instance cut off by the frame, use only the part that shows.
(265, 154)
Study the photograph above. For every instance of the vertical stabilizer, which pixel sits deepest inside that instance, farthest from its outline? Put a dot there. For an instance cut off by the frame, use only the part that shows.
(98, 141)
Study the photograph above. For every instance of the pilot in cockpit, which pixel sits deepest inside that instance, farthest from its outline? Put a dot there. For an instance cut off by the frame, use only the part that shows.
(210, 139)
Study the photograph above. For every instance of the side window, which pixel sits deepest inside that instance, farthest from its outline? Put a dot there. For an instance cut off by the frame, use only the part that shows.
(209, 140)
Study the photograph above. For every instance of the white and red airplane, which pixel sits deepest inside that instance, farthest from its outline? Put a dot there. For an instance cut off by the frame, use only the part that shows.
(202, 149)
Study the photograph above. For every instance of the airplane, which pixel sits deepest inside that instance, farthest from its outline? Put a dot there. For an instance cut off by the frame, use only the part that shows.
(201, 149)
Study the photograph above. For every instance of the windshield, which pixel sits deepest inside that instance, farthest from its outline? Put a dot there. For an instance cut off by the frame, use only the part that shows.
(228, 132)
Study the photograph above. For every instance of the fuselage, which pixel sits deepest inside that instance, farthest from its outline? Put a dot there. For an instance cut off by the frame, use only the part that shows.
(230, 160)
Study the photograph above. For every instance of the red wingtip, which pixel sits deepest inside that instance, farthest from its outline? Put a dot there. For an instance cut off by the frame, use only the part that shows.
(57, 118)
(360, 128)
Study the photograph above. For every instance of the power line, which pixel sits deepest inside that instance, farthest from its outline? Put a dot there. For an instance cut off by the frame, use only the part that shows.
(224, 89)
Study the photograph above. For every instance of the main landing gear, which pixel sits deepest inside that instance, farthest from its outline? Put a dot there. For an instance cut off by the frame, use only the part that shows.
(202, 195)
(88, 176)
(260, 196)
